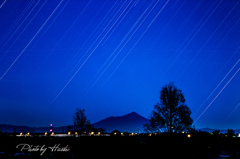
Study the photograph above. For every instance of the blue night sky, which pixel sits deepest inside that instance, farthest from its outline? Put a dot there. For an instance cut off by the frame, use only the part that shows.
(112, 57)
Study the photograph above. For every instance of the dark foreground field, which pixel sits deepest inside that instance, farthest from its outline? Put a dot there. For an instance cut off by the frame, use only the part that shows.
(200, 145)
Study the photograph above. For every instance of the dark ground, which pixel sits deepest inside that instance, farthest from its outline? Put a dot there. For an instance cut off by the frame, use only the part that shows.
(199, 145)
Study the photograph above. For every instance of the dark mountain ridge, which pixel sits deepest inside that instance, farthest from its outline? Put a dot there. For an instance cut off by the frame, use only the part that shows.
(131, 122)
(18, 129)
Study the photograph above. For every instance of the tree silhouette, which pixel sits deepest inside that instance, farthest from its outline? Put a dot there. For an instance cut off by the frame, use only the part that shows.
(116, 133)
(216, 132)
(80, 121)
(230, 133)
(171, 114)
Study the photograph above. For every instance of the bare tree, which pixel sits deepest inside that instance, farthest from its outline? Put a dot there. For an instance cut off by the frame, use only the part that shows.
(80, 121)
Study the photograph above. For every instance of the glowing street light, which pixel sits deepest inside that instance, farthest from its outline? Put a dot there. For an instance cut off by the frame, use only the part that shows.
(51, 130)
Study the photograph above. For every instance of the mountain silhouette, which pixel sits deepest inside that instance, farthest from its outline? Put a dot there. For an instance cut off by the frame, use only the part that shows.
(25, 129)
(131, 122)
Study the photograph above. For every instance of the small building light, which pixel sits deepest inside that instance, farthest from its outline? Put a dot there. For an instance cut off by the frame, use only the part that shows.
(21, 134)
(76, 133)
(45, 133)
(52, 133)
(121, 133)
(92, 132)
(69, 133)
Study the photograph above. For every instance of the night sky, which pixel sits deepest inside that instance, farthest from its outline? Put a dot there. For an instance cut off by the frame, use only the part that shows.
(112, 57)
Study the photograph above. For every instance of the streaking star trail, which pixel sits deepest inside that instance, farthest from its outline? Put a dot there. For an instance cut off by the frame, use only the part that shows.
(232, 111)
(31, 40)
(3, 4)
(112, 57)
(216, 96)
(218, 85)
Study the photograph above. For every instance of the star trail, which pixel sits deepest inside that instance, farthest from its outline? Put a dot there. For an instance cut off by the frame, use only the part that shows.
(113, 57)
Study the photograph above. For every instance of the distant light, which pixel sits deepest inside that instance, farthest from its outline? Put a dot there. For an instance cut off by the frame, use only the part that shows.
(45, 133)
(69, 133)
(92, 132)
(52, 133)
(50, 130)
(21, 134)
(121, 133)
(50, 124)
(189, 135)
(76, 133)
